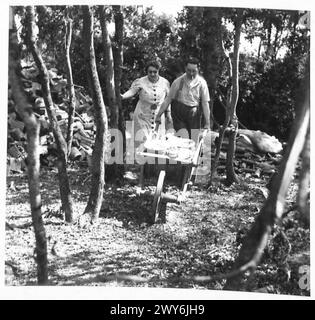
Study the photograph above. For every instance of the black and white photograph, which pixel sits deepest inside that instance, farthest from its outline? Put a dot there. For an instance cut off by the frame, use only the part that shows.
(158, 146)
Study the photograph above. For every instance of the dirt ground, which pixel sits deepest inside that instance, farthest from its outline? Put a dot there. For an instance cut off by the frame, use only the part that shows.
(200, 237)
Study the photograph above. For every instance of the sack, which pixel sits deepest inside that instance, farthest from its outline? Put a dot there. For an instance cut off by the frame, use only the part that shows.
(262, 141)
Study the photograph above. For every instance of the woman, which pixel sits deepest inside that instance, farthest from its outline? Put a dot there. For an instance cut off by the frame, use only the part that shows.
(152, 90)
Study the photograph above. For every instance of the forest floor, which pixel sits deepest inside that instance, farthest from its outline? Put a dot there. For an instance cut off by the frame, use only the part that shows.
(200, 237)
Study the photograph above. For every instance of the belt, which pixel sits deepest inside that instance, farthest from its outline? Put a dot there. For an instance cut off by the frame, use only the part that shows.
(186, 105)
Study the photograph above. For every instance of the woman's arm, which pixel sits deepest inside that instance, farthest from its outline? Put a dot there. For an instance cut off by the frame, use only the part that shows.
(129, 94)
(134, 89)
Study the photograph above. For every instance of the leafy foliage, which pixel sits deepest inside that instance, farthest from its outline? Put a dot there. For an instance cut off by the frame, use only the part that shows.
(269, 81)
(269, 100)
(147, 35)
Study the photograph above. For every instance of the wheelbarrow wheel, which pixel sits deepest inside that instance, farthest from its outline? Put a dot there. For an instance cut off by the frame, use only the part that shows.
(157, 196)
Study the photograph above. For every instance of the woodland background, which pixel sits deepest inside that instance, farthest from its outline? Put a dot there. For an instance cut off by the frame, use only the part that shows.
(69, 64)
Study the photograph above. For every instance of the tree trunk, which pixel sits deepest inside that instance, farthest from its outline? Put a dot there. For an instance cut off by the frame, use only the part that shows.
(259, 49)
(111, 96)
(269, 45)
(218, 147)
(275, 45)
(223, 128)
(64, 186)
(118, 48)
(304, 181)
(256, 239)
(303, 200)
(211, 53)
(98, 157)
(118, 66)
(25, 111)
(72, 98)
(231, 176)
(230, 172)
(109, 69)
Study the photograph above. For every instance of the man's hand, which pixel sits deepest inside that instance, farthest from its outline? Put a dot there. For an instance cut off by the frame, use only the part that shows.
(168, 121)
(204, 131)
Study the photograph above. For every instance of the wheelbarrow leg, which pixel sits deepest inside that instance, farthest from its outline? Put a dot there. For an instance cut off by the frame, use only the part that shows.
(141, 178)
(181, 175)
(185, 183)
(157, 196)
(186, 178)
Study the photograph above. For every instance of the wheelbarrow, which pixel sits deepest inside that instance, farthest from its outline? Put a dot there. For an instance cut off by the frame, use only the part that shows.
(190, 164)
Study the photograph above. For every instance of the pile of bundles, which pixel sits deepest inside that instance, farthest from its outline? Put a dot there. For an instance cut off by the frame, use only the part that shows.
(257, 153)
(83, 126)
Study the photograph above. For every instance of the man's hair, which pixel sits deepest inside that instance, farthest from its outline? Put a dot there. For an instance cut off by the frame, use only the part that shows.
(192, 60)
(153, 63)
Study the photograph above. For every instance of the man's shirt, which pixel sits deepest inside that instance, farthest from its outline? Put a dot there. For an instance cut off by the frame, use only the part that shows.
(193, 91)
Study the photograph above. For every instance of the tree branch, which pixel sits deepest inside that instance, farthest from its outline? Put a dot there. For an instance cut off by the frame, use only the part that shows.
(272, 211)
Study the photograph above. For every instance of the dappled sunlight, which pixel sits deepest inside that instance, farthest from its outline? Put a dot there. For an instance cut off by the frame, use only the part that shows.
(199, 238)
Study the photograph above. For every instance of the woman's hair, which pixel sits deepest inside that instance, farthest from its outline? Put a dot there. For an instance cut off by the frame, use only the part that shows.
(153, 63)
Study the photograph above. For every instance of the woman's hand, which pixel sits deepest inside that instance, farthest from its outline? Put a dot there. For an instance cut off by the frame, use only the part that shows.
(158, 118)
(168, 116)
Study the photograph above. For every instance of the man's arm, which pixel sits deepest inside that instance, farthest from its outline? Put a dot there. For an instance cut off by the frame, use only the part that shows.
(206, 113)
(167, 101)
(163, 107)
(205, 98)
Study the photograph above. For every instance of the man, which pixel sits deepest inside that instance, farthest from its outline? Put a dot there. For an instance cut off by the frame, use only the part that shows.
(189, 98)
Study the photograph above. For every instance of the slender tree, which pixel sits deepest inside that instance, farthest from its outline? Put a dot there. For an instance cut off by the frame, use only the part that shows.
(113, 51)
(272, 211)
(72, 99)
(118, 47)
(98, 157)
(230, 110)
(109, 67)
(304, 183)
(25, 111)
(230, 173)
(64, 187)
(118, 67)
(110, 86)
(222, 128)
(210, 50)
